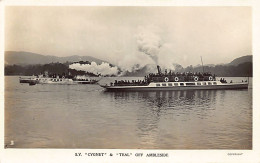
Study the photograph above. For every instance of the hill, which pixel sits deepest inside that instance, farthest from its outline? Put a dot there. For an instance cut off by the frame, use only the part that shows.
(240, 60)
(28, 58)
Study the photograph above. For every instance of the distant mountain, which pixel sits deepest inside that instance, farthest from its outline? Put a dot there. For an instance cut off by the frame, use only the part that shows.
(240, 60)
(28, 58)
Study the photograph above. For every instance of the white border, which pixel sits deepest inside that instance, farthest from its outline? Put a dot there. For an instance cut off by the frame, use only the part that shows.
(67, 155)
(129, 2)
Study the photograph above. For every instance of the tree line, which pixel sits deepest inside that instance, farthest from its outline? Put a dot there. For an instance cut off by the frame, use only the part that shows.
(242, 70)
(52, 68)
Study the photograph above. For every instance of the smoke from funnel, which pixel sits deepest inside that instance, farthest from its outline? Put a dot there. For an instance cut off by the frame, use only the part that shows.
(150, 50)
(149, 42)
(134, 62)
(103, 69)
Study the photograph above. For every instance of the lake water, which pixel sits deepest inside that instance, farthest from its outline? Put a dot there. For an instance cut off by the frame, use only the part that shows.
(85, 116)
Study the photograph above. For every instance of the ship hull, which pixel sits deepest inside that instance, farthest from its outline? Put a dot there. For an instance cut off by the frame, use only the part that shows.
(178, 88)
(85, 82)
(58, 81)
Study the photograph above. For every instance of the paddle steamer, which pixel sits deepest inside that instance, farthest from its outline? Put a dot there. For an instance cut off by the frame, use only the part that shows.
(40, 79)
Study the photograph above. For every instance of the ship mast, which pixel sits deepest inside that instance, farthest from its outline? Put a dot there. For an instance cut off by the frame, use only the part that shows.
(202, 64)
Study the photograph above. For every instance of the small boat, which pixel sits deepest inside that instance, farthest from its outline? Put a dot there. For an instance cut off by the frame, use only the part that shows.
(33, 82)
(85, 81)
(174, 81)
(26, 79)
(82, 79)
(30, 80)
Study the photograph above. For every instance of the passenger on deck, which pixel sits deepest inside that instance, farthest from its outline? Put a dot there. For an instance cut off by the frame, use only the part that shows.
(222, 80)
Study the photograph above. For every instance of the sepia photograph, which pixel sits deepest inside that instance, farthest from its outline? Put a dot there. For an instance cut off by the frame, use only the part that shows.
(149, 77)
(128, 77)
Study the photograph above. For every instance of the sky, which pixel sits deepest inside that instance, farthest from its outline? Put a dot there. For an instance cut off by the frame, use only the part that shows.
(132, 36)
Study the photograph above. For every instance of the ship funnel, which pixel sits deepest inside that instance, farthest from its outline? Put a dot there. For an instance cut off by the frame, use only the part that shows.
(159, 69)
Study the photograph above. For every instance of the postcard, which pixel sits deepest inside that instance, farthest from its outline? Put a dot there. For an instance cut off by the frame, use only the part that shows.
(157, 81)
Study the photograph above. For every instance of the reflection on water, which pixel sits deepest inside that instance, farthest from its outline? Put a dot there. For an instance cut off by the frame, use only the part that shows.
(191, 116)
(85, 116)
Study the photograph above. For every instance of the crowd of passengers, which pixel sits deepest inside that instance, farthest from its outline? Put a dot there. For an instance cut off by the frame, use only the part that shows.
(178, 74)
(129, 83)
